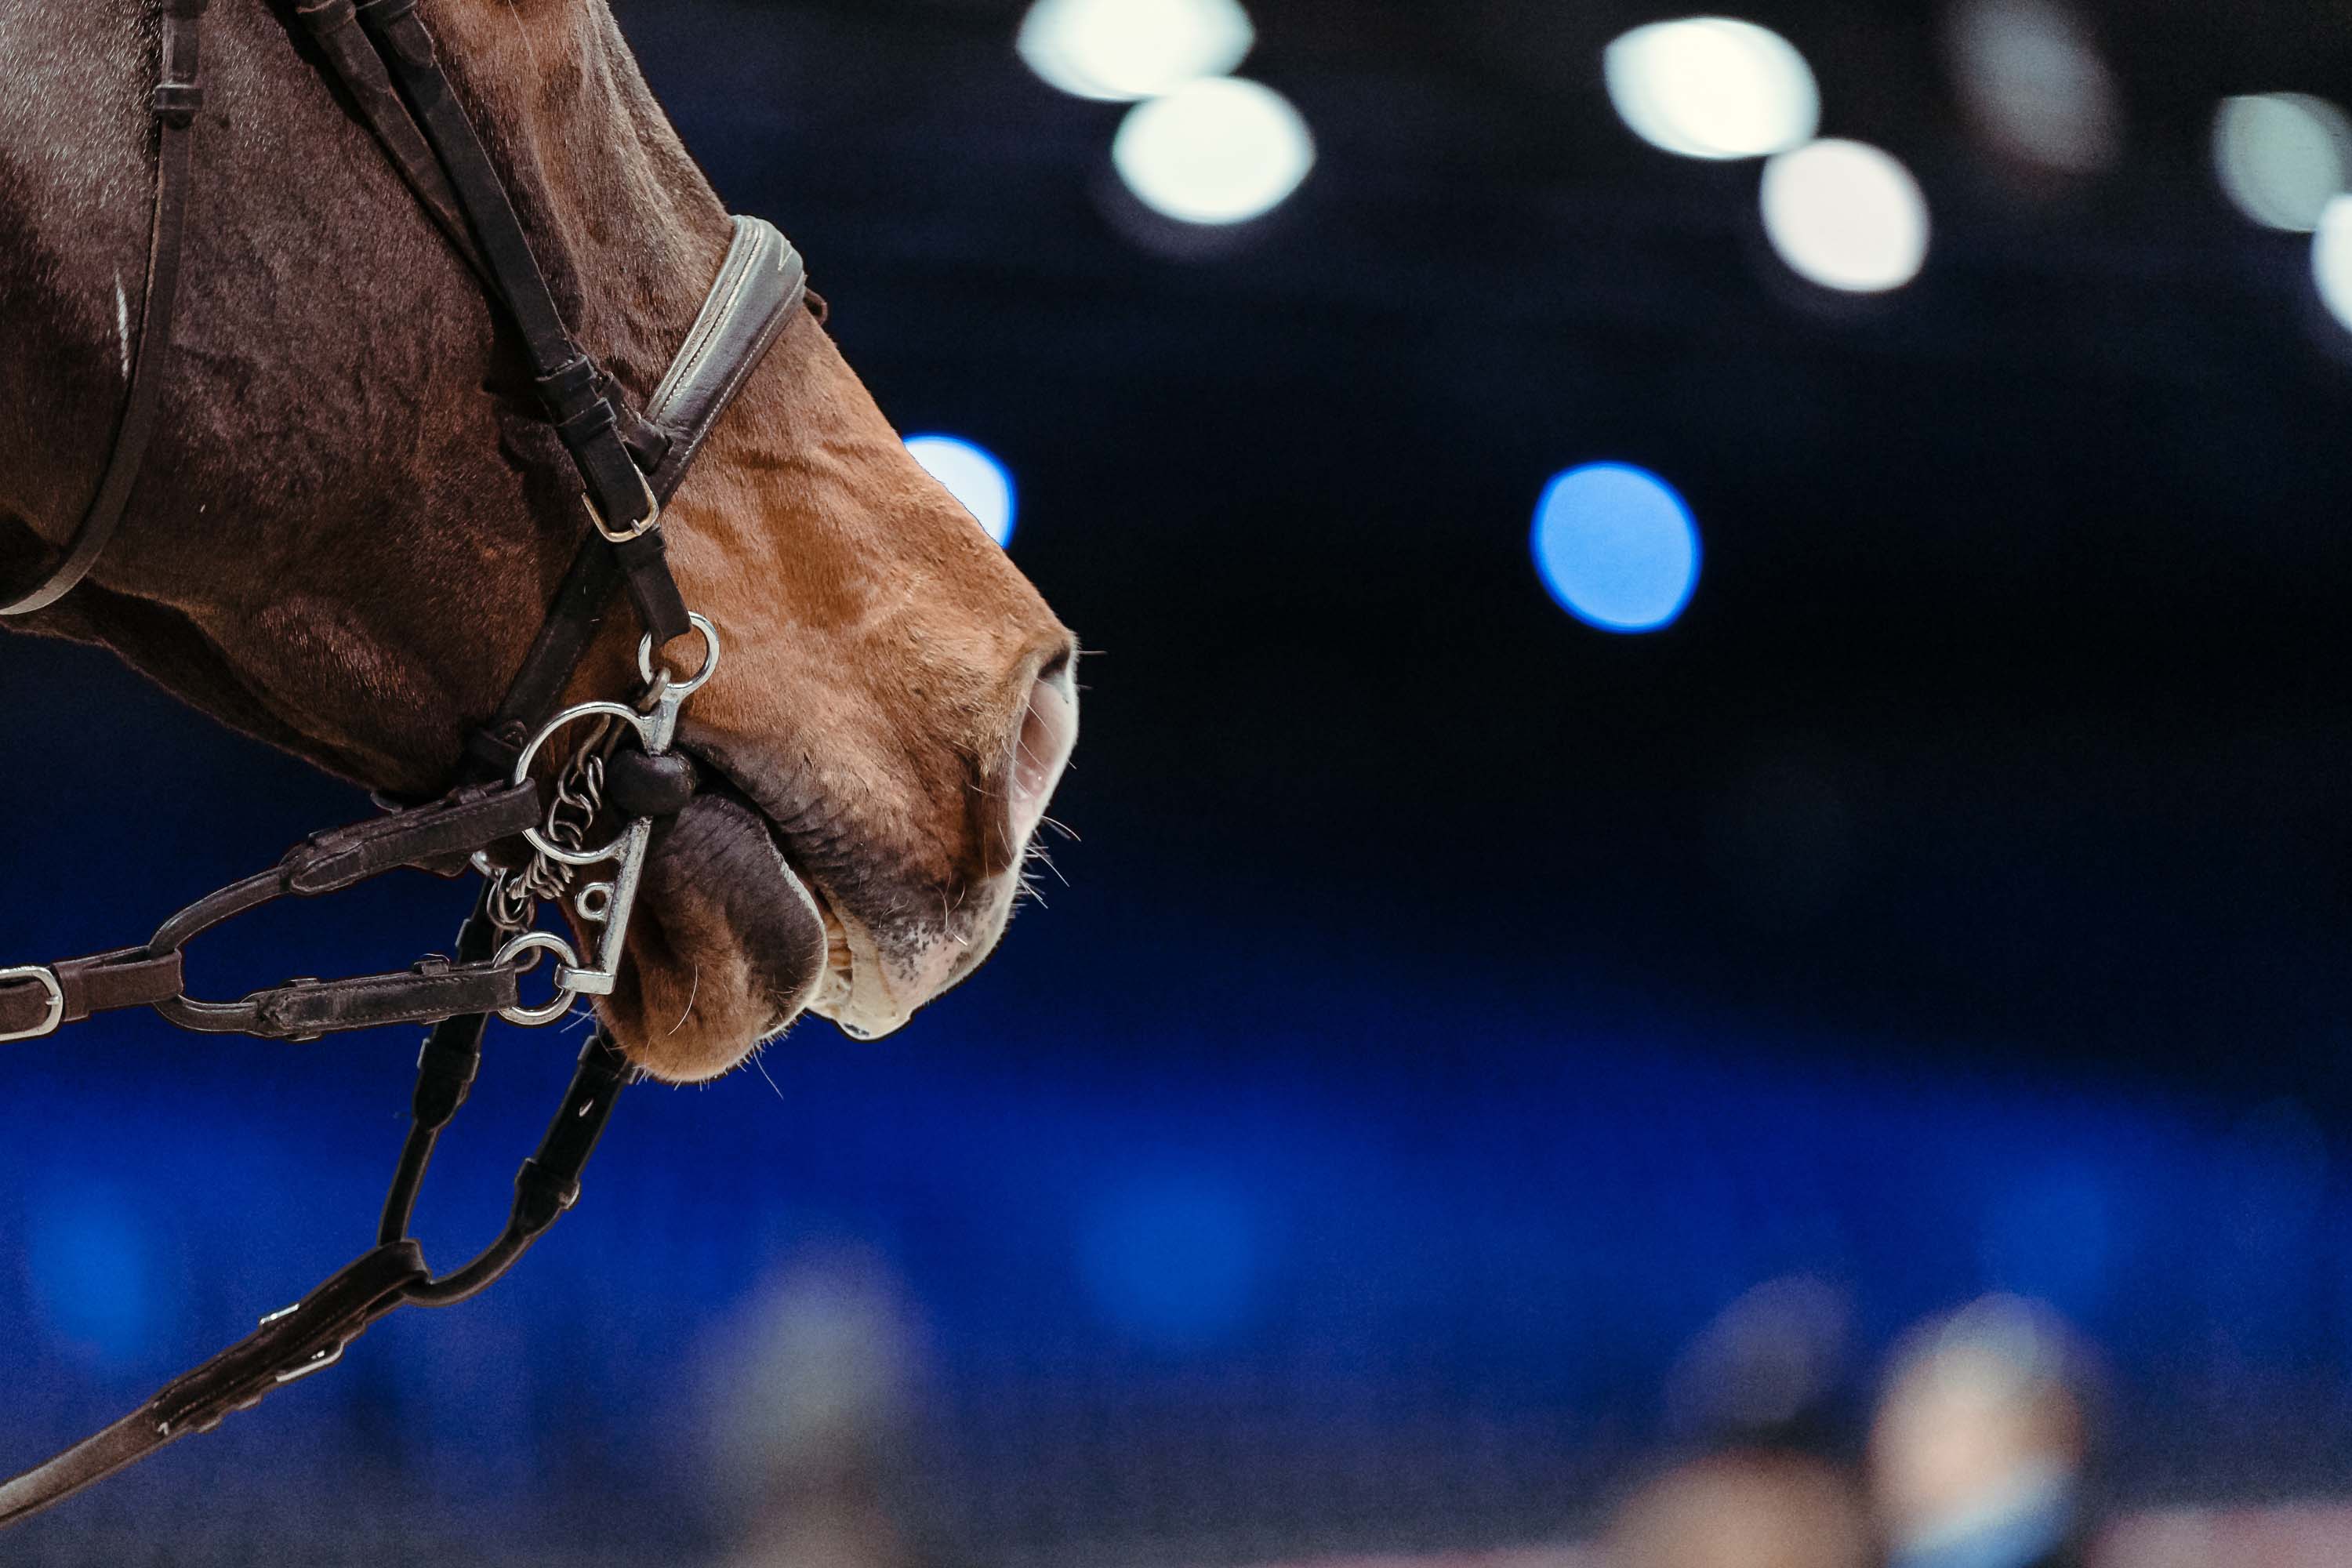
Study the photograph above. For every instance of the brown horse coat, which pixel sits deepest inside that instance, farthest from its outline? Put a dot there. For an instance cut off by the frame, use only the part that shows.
(350, 522)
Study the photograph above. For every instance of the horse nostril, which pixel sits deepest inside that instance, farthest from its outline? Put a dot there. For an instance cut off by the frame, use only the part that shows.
(1041, 750)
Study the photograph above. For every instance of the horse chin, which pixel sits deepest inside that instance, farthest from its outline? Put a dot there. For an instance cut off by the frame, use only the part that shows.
(726, 948)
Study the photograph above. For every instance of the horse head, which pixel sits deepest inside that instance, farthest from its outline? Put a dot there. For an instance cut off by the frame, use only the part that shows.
(352, 517)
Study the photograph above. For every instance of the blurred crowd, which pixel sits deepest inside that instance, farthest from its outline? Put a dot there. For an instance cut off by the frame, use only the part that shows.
(1975, 1453)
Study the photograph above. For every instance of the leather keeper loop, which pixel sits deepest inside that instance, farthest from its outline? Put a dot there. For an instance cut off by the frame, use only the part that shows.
(176, 102)
(571, 388)
(589, 426)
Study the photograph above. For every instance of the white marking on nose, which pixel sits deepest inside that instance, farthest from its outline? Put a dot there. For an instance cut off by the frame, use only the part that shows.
(122, 323)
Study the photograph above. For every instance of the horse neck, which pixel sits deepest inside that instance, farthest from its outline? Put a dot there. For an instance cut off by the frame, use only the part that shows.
(626, 226)
(311, 302)
(347, 483)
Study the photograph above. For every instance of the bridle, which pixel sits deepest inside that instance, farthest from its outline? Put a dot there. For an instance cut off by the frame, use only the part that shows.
(621, 768)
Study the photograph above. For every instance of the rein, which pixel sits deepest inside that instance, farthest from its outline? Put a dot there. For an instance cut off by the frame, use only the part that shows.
(624, 768)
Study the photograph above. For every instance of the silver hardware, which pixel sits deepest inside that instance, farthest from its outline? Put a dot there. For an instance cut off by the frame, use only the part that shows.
(536, 943)
(319, 1363)
(645, 525)
(701, 676)
(609, 904)
(57, 1011)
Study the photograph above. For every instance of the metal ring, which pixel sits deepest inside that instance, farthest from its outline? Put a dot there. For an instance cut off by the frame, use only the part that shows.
(684, 689)
(594, 902)
(532, 835)
(56, 1010)
(536, 943)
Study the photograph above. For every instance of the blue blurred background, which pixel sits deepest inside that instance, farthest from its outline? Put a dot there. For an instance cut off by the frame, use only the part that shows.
(1614, 775)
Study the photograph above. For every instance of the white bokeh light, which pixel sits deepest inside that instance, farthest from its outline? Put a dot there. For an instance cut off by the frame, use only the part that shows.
(2331, 259)
(1220, 152)
(2282, 157)
(1846, 215)
(1125, 49)
(974, 476)
(2034, 81)
(1708, 87)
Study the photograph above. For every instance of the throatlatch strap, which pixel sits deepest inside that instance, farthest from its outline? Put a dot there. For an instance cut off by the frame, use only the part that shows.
(179, 94)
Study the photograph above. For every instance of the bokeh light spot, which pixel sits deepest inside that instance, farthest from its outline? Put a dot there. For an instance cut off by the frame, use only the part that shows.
(2331, 259)
(2034, 81)
(1708, 87)
(87, 1257)
(2282, 157)
(1125, 49)
(1616, 547)
(1173, 1261)
(1219, 152)
(974, 476)
(1846, 215)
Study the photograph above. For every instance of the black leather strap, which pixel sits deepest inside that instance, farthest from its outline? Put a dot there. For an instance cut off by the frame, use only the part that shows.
(577, 393)
(179, 94)
(333, 26)
(762, 282)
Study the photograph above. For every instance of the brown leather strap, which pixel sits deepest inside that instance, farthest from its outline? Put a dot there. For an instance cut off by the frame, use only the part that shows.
(179, 94)
(109, 983)
(312, 1334)
(759, 284)
(435, 837)
(305, 1338)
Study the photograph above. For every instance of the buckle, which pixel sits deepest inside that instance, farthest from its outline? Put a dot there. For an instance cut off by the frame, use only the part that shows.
(651, 521)
(47, 978)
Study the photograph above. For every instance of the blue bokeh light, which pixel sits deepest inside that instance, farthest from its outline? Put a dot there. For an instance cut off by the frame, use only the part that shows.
(1616, 547)
(1171, 1262)
(87, 1257)
(974, 476)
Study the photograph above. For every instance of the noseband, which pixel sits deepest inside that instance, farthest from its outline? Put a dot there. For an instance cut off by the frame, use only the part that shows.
(621, 768)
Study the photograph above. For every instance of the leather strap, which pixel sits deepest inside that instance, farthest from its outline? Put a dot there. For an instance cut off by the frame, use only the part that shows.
(179, 94)
(574, 390)
(430, 838)
(434, 990)
(312, 1334)
(333, 24)
(762, 282)
(110, 983)
(306, 1337)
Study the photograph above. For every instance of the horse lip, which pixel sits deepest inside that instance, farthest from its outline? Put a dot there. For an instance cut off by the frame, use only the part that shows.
(838, 982)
